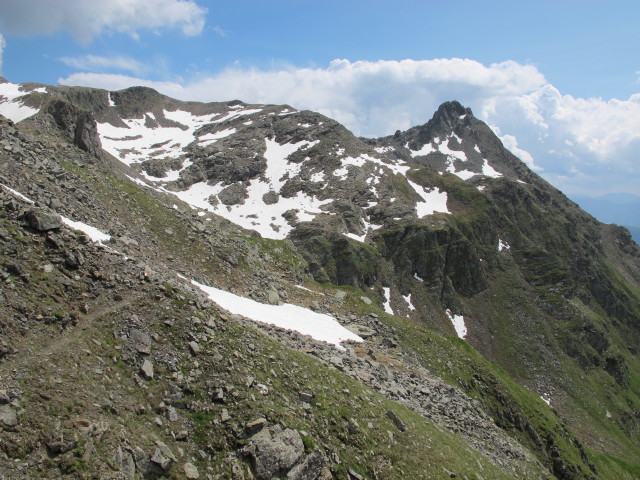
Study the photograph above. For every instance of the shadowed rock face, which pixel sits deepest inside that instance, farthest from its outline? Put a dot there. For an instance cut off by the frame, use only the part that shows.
(86, 134)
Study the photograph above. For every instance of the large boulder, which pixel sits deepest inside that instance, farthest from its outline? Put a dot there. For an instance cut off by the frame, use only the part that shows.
(275, 452)
(42, 220)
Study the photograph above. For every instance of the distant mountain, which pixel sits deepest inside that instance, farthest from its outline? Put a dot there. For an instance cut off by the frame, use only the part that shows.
(226, 290)
(635, 233)
(618, 208)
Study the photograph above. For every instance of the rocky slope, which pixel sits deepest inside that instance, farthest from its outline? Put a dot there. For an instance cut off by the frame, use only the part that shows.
(114, 366)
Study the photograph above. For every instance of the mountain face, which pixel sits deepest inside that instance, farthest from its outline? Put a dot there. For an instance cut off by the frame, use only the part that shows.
(227, 290)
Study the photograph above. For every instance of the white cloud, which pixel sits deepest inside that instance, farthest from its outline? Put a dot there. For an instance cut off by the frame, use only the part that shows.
(576, 143)
(86, 20)
(97, 62)
(3, 44)
(218, 29)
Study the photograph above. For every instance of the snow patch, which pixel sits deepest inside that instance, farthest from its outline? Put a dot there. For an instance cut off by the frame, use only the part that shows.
(254, 214)
(209, 138)
(426, 149)
(387, 303)
(17, 194)
(458, 324)
(489, 171)
(92, 232)
(293, 317)
(407, 298)
(432, 201)
(10, 104)
(383, 149)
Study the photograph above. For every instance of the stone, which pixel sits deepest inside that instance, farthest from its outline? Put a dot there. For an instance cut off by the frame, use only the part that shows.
(255, 425)
(194, 347)
(270, 197)
(272, 297)
(218, 395)
(273, 452)
(73, 258)
(159, 459)
(8, 416)
(172, 414)
(396, 420)
(234, 194)
(147, 369)
(309, 469)
(361, 330)
(353, 427)
(126, 462)
(140, 341)
(306, 397)
(191, 471)
(224, 416)
(42, 221)
(336, 362)
(366, 300)
(355, 475)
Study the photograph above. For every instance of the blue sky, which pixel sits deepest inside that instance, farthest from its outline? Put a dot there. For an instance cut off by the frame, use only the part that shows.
(557, 80)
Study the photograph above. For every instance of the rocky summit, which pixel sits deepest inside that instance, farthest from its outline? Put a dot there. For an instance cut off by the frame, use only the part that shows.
(234, 291)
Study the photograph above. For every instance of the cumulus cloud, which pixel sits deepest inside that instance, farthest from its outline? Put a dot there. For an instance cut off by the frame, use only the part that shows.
(574, 142)
(86, 20)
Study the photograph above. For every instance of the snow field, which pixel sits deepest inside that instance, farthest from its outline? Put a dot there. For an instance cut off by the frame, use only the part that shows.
(10, 104)
(458, 323)
(292, 317)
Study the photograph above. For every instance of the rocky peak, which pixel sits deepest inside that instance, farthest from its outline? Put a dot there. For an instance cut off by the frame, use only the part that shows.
(449, 115)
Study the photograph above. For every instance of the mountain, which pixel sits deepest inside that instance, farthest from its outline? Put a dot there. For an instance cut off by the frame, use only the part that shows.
(618, 208)
(227, 290)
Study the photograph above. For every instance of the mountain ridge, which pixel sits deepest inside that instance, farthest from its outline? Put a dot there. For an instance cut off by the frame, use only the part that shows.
(429, 224)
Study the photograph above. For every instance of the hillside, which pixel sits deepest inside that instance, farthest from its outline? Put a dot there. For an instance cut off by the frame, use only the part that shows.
(227, 290)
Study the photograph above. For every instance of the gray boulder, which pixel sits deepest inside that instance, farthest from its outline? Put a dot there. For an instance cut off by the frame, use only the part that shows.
(233, 194)
(42, 221)
(277, 453)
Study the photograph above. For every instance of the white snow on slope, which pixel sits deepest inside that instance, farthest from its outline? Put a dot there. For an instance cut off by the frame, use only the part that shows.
(426, 149)
(387, 303)
(10, 104)
(407, 298)
(254, 213)
(137, 142)
(489, 171)
(458, 324)
(210, 138)
(432, 201)
(368, 227)
(317, 325)
(454, 156)
(17, 194)
(92, 232)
